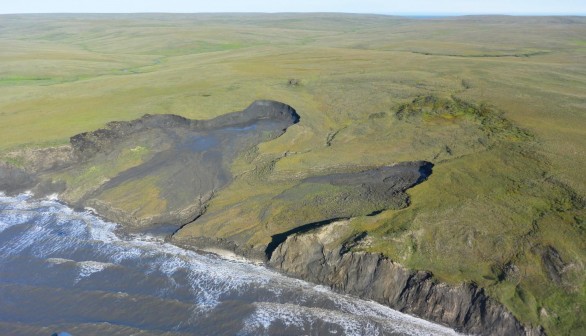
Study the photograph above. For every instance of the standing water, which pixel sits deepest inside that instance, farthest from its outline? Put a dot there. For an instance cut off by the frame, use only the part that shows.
(67, 271)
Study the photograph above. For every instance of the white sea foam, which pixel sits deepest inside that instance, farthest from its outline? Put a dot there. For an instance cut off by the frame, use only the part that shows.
(268, 313)
(59, 235)
(53, 197)
(59, 261)
(11, 217)
(14, 247)
(87, 268)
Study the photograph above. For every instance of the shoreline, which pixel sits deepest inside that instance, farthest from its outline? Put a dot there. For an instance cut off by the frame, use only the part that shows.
(307, 256)
(295, 257)
(316, 247)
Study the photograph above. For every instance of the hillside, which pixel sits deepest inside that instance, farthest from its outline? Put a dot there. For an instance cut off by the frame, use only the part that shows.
(496, 104)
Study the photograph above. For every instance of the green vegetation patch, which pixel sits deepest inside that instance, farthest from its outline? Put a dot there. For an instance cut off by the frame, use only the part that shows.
(87, 178)
(506, 187)
(488, 217)
(147, 202)
(492, 122)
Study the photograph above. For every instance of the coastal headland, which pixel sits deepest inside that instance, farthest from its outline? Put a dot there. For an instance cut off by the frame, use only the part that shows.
(429, 164)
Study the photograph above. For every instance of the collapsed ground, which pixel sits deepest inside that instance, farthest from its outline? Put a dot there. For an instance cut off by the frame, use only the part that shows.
(496, 104)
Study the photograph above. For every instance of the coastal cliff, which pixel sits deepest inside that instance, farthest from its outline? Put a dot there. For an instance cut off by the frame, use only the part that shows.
(160, 172)
(319, 257)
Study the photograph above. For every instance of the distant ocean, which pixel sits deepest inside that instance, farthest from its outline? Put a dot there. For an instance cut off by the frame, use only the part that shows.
(68, 272)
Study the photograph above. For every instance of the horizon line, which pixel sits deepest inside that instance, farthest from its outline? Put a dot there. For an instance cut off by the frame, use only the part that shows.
(403, 14)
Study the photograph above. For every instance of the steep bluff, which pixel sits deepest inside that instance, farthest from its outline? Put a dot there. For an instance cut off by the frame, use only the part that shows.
(188, 160)
(318, 256)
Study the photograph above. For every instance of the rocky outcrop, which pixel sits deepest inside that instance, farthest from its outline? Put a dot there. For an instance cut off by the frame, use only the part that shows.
(320, 257)
(190, 160)
(326, 251)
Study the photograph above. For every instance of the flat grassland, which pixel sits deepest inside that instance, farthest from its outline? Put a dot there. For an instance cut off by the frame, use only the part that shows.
(498, 104)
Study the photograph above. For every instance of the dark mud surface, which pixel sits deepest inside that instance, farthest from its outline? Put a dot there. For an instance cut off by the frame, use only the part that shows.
(375, 190)
(187, 162)
(180, 165)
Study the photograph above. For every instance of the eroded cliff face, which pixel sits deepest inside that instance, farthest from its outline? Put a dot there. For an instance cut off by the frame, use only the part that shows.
(160, 171)
(320, 257)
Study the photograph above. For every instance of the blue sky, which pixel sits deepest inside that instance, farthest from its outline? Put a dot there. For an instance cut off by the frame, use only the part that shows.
(539, 7)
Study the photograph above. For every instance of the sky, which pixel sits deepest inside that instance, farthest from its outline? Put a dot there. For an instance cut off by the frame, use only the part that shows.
(405, 7)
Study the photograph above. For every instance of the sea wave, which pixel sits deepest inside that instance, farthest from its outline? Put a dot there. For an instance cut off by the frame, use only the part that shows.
(83, 252)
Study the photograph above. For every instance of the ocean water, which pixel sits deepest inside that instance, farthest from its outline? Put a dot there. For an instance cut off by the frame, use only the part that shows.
(69, 272)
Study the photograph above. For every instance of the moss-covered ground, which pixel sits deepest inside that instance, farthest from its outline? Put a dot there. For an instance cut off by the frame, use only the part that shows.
(498, 104)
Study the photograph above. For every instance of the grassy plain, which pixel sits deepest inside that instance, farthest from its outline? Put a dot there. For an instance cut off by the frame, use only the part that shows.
(498, 104)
